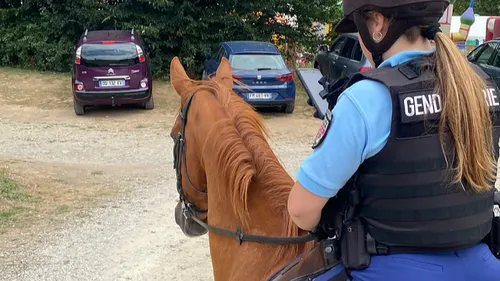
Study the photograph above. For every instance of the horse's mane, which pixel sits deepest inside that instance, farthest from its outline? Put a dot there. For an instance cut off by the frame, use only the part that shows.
(245, 158)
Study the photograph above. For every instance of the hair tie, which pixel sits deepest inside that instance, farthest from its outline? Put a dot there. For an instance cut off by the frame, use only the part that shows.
(430, 31)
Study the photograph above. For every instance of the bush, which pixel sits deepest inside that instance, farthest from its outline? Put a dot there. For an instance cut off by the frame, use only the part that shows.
(41, 34)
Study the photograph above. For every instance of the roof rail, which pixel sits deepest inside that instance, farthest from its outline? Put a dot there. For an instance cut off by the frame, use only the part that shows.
(85, 35)
(132, 34)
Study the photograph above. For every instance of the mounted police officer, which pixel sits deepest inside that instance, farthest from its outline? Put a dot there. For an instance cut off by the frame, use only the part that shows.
(404, 164)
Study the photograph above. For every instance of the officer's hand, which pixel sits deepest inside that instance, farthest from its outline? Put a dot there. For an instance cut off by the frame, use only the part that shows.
(318, 233)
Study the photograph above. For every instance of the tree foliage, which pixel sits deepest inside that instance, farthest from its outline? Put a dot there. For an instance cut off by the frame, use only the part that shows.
(41, 34)
(481, 7)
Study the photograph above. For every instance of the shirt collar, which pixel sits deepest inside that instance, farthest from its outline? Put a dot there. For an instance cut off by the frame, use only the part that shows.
(403, 57)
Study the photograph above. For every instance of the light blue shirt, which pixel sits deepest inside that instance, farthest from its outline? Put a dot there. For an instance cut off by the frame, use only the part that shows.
(360, 127)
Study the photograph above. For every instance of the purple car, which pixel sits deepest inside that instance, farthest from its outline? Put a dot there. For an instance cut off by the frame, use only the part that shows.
(111, 67)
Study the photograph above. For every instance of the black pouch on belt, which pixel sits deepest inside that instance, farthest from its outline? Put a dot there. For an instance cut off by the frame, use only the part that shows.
(495, 228)
(353, 245)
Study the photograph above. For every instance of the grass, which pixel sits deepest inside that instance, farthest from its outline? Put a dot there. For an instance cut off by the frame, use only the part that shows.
(8, 214)
(97, 173)
(34, 195)
(9, 189)
(63, 209)
(12, 198)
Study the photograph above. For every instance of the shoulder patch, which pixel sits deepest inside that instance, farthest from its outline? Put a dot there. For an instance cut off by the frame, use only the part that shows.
(323, 129)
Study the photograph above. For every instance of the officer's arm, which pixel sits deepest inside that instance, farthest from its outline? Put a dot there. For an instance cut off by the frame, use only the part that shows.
(305, 207)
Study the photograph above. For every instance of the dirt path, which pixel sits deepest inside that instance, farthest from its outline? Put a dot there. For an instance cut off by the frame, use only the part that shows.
(111, 180)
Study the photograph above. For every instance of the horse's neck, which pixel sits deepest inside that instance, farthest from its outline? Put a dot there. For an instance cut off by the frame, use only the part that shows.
(267, 216)
(236, 154)
(251, 260)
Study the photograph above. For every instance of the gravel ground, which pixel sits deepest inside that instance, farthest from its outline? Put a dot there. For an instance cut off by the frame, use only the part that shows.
(132, 236)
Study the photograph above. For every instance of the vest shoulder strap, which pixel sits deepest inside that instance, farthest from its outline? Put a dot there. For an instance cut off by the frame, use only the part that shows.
(407, 73)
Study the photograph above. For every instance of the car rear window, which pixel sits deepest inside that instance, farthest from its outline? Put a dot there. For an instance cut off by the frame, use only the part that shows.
(257, 62)
(118, 54)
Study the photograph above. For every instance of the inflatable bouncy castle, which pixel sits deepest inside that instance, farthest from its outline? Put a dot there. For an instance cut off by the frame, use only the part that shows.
(492, 28)
(466, 21)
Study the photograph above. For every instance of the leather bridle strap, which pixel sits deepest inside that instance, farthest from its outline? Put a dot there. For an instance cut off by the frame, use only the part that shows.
(181, 143)
(240, 236)
(179, 154)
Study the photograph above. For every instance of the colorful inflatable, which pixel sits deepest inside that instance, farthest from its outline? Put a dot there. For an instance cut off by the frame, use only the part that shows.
(466, 21)
(492, 28)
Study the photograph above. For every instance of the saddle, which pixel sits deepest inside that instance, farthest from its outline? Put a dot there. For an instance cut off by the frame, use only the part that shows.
(320, 261)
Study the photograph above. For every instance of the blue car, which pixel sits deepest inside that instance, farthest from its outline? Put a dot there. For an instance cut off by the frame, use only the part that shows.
(260, 67)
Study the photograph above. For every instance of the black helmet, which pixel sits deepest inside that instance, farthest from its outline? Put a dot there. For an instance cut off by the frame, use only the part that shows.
(405, 14)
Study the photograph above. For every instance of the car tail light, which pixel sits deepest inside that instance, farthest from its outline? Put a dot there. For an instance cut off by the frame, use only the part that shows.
(144, 83)
(237, 77)
(78, 57)
(142, 58)
(364, 68)
(108, 42)
(286, 77)
(79, 86)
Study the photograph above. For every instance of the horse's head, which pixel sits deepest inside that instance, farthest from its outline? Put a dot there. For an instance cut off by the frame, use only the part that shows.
(191, 177)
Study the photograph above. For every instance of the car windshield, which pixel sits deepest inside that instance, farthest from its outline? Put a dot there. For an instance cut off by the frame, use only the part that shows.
(256, 62)
(119, 54)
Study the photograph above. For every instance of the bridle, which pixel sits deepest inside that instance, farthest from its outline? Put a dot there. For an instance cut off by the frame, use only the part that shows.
(189, 209)
(179, 151)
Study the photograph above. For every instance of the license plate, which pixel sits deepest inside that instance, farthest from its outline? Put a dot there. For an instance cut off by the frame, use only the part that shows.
(254, 96)
(112, 83)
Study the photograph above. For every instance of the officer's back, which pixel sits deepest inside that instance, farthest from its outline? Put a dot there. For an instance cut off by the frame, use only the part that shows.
(413, 145)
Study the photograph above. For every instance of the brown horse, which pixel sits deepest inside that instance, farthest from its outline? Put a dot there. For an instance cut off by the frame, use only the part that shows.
(231, 177)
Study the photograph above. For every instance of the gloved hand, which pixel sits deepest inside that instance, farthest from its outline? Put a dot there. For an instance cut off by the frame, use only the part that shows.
(319, 233)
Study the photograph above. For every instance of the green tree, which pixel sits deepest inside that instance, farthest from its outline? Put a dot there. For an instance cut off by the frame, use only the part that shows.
(41, 34)
(481, 7)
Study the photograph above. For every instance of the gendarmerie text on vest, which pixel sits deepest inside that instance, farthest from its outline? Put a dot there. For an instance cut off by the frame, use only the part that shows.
(418, 105)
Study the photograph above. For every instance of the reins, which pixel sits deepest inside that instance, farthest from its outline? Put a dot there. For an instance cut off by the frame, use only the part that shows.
(240, 236)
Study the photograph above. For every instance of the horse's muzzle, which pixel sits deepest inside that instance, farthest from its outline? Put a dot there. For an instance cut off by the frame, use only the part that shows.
(188, 226)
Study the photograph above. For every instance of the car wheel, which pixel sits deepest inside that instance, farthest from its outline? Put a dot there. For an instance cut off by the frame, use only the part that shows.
(150, 104)
(289, 108)
(79, 109)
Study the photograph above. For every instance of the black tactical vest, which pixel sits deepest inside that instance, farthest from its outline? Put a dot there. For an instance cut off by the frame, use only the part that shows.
(407, 203)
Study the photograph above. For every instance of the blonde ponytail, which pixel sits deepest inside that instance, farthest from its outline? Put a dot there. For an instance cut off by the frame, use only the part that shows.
(466, 115)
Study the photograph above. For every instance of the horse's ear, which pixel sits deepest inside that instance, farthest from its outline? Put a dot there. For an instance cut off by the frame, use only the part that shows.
(181, 82)
(225, 74)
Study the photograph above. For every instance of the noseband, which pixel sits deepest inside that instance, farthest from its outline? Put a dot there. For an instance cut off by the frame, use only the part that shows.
(188, 208)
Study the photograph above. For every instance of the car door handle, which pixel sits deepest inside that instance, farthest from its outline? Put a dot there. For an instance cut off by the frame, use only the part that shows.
(345, 66)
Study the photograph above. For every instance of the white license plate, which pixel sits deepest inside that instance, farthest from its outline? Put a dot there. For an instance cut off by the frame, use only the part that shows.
(112, 83)
(254, 96)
